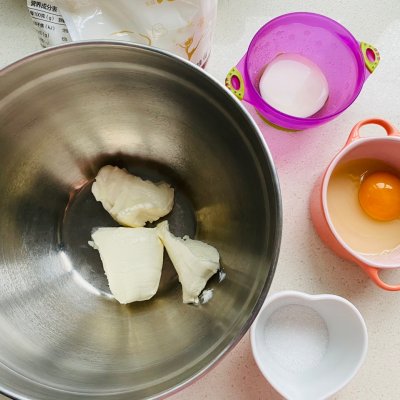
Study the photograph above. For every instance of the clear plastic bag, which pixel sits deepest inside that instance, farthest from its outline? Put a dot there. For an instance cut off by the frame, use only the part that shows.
(183, 27)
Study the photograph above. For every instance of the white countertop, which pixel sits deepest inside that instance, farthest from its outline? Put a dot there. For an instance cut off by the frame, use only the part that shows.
(305, 263)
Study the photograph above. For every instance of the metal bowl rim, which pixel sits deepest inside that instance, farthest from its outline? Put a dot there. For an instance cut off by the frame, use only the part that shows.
(277, 211)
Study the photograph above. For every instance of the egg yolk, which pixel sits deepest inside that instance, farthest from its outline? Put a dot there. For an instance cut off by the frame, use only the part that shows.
(379, 196)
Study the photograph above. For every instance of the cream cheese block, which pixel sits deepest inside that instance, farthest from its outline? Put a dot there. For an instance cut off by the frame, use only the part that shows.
(195, 261)
(132, 260)
(130, 200)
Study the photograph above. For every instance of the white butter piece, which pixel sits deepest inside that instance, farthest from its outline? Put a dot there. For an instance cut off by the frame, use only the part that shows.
(130, 200)
(195, 261)
(132, 260)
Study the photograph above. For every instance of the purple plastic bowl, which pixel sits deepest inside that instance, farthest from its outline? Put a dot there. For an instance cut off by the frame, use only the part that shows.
(345, 62)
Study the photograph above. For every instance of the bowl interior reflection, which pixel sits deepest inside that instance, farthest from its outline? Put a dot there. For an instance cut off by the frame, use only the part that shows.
(67, 112)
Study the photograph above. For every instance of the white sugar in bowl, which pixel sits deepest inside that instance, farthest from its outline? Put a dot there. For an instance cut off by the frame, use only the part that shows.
(308, 346)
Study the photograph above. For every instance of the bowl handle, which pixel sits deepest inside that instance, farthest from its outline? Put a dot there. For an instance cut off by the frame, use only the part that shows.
(235, 80)
(235, 83)
(373, 273)
(355, 134)
(371, 57)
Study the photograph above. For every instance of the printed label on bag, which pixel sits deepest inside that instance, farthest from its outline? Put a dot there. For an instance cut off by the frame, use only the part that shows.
(49, 23)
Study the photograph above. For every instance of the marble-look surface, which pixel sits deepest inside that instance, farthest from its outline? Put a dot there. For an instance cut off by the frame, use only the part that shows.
(305, 264)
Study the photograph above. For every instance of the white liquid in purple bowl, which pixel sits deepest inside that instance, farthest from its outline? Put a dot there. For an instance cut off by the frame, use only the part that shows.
(294, 85)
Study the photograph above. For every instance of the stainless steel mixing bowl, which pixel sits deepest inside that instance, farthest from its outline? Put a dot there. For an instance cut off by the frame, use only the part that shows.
(66, 112)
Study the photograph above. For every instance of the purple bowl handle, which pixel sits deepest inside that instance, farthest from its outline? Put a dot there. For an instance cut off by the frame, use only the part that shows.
(370, 56)
(235, 80)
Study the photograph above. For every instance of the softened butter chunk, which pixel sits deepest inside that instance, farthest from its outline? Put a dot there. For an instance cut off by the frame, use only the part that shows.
(132, 260)
(130, 200)
(195, 261)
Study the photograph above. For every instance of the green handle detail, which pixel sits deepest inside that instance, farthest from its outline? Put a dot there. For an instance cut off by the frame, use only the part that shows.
(234, 82)
(371, 56)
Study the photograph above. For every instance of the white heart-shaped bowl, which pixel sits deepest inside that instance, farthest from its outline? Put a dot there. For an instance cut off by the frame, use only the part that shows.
(308, 346)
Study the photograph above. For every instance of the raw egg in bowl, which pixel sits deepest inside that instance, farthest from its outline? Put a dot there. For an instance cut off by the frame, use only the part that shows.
(355, 206)
(364, 205)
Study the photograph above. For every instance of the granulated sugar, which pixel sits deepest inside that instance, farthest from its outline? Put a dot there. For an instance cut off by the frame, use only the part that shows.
(296, 337)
